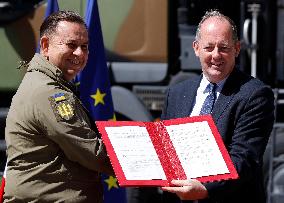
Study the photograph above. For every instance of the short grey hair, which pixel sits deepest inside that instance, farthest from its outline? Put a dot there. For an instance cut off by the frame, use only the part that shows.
(218, 14)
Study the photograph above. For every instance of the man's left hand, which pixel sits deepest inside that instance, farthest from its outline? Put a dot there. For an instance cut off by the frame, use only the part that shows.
(187, 189)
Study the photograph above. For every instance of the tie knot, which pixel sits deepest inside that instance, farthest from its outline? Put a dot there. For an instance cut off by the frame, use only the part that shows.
(211, 87)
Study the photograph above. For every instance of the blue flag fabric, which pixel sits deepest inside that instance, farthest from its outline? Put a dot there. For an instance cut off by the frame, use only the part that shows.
(52, 6)
(94, 80)
(94, 88)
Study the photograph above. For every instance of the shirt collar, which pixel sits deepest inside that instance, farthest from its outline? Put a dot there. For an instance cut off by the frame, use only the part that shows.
(204, 82)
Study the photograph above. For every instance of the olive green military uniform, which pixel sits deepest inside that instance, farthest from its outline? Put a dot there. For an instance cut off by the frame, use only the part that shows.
(53, 154)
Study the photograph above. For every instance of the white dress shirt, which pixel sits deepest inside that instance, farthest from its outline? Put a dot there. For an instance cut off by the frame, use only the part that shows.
(202, 93)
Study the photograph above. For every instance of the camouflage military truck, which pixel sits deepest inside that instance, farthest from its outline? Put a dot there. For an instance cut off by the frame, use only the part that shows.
(148, 48)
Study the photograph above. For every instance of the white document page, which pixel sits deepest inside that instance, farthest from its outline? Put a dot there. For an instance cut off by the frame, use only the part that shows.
(135, 152)
(197, 149)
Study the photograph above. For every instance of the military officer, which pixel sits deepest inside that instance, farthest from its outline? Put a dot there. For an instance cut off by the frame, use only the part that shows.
(54, 153)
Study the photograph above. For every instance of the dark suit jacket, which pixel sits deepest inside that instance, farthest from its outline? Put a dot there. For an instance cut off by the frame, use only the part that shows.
(244, 115)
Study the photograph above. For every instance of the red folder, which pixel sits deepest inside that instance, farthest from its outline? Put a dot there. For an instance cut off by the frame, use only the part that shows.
(154, 153)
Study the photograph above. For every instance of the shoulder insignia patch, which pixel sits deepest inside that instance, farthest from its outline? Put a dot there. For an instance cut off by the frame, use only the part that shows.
(62, 106)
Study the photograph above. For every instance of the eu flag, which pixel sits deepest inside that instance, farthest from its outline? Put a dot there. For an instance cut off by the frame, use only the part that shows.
(94, 87)
(94, 81)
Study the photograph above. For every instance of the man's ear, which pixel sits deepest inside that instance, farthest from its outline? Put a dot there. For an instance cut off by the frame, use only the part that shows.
(44, 45)
(238, 48)
(195, 47)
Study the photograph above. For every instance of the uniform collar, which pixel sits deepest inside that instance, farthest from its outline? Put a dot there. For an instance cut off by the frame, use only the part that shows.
(41, 64)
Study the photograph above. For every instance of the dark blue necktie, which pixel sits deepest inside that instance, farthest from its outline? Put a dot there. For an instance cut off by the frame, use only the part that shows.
(210, 99)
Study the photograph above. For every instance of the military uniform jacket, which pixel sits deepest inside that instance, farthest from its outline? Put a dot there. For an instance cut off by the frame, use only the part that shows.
(53, 153)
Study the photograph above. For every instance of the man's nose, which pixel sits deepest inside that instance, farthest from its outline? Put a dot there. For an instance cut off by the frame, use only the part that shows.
(216, 53)
(78, 51)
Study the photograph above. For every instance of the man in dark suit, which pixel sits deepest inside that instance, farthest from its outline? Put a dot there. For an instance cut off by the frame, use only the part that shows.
(243, 110)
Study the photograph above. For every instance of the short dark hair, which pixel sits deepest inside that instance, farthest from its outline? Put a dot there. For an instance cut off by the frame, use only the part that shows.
(50, 24)
(216, 13)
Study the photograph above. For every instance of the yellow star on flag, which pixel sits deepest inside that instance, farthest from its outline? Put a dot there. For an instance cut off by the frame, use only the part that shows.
(111, 182)
(113, 118)
(98, 97)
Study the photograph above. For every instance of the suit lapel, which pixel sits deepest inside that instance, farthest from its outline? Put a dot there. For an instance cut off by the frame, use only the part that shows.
(221, 104)
(187, 94)
(228, 92)
(188, 97)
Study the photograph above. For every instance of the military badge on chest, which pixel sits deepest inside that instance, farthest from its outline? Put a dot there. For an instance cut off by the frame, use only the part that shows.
(62, 106)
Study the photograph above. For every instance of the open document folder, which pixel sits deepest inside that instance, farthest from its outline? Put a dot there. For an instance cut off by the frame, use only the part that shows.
(154, 153)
